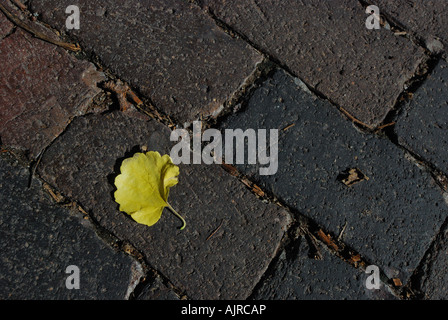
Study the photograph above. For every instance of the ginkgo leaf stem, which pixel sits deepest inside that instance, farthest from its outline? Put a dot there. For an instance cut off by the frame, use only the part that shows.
(177, 215)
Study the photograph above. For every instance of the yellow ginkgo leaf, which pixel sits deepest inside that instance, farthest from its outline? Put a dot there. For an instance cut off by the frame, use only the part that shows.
(143, 186)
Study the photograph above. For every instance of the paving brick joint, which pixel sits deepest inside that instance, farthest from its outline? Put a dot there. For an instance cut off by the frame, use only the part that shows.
(353, 188)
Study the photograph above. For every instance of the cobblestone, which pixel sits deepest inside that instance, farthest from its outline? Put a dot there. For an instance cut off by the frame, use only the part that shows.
(391, 216)
(361, 173)
(329, 48)
(422, 125)
(298, 277)
(435, 280)
(418, 17)
(41, 239)
(42, 89)
(82, 165)
(176, 56)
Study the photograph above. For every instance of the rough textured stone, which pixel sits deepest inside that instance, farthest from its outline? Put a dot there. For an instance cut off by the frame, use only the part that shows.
(157, 290)
(422, 126)
(390, 219)
(5, 26)
(83, 164)
(40, 240)
(434, 282)
(170, 50)
(42, 88)
(328, 46)
(428, 19)
(298, 277)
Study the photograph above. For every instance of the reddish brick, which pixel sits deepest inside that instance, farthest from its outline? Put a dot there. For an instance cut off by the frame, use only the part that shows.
(42, 88)
(5, 26)
(169, 49)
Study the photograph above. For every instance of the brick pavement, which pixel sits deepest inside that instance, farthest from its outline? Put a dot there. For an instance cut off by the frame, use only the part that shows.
(349, 103)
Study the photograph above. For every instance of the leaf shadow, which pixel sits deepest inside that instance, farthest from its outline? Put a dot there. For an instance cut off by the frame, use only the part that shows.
(116, 171)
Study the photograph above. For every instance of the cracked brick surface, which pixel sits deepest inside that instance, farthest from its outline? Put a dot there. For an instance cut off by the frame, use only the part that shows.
(426, 18)
(422, 125)
(42, 88)
(328, 46)
(391, 218)
(82, 164)
(197, 59)
(156, 290)
(40, 240)
(296, 276)
(170, 50)
(434, 282)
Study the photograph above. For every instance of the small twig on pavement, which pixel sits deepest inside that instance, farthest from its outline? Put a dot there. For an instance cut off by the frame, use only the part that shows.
(385, 126)
(354, 119)
(37, 34)
(216, 230)
(19, 4)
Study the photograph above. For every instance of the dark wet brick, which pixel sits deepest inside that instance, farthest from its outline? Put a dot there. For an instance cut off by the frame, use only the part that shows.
(41, 239)
(422, 126)
(296, 276)
(170, 50)
(328, 46)
(83, 164)
(390, 219)
(434, 281)
(42, 88)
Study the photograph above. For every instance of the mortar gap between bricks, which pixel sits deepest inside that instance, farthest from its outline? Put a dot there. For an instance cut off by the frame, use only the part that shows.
(313, 230)
(229, 30)
(291, 239)
(397, 27)
(149, 279)
(108, 237)
(148, 107)
(423, 71)
(357, 123)
(439, 177)
(92, 57)
(425, 266)
(34, 163)
(119, 245)
(240, 99)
